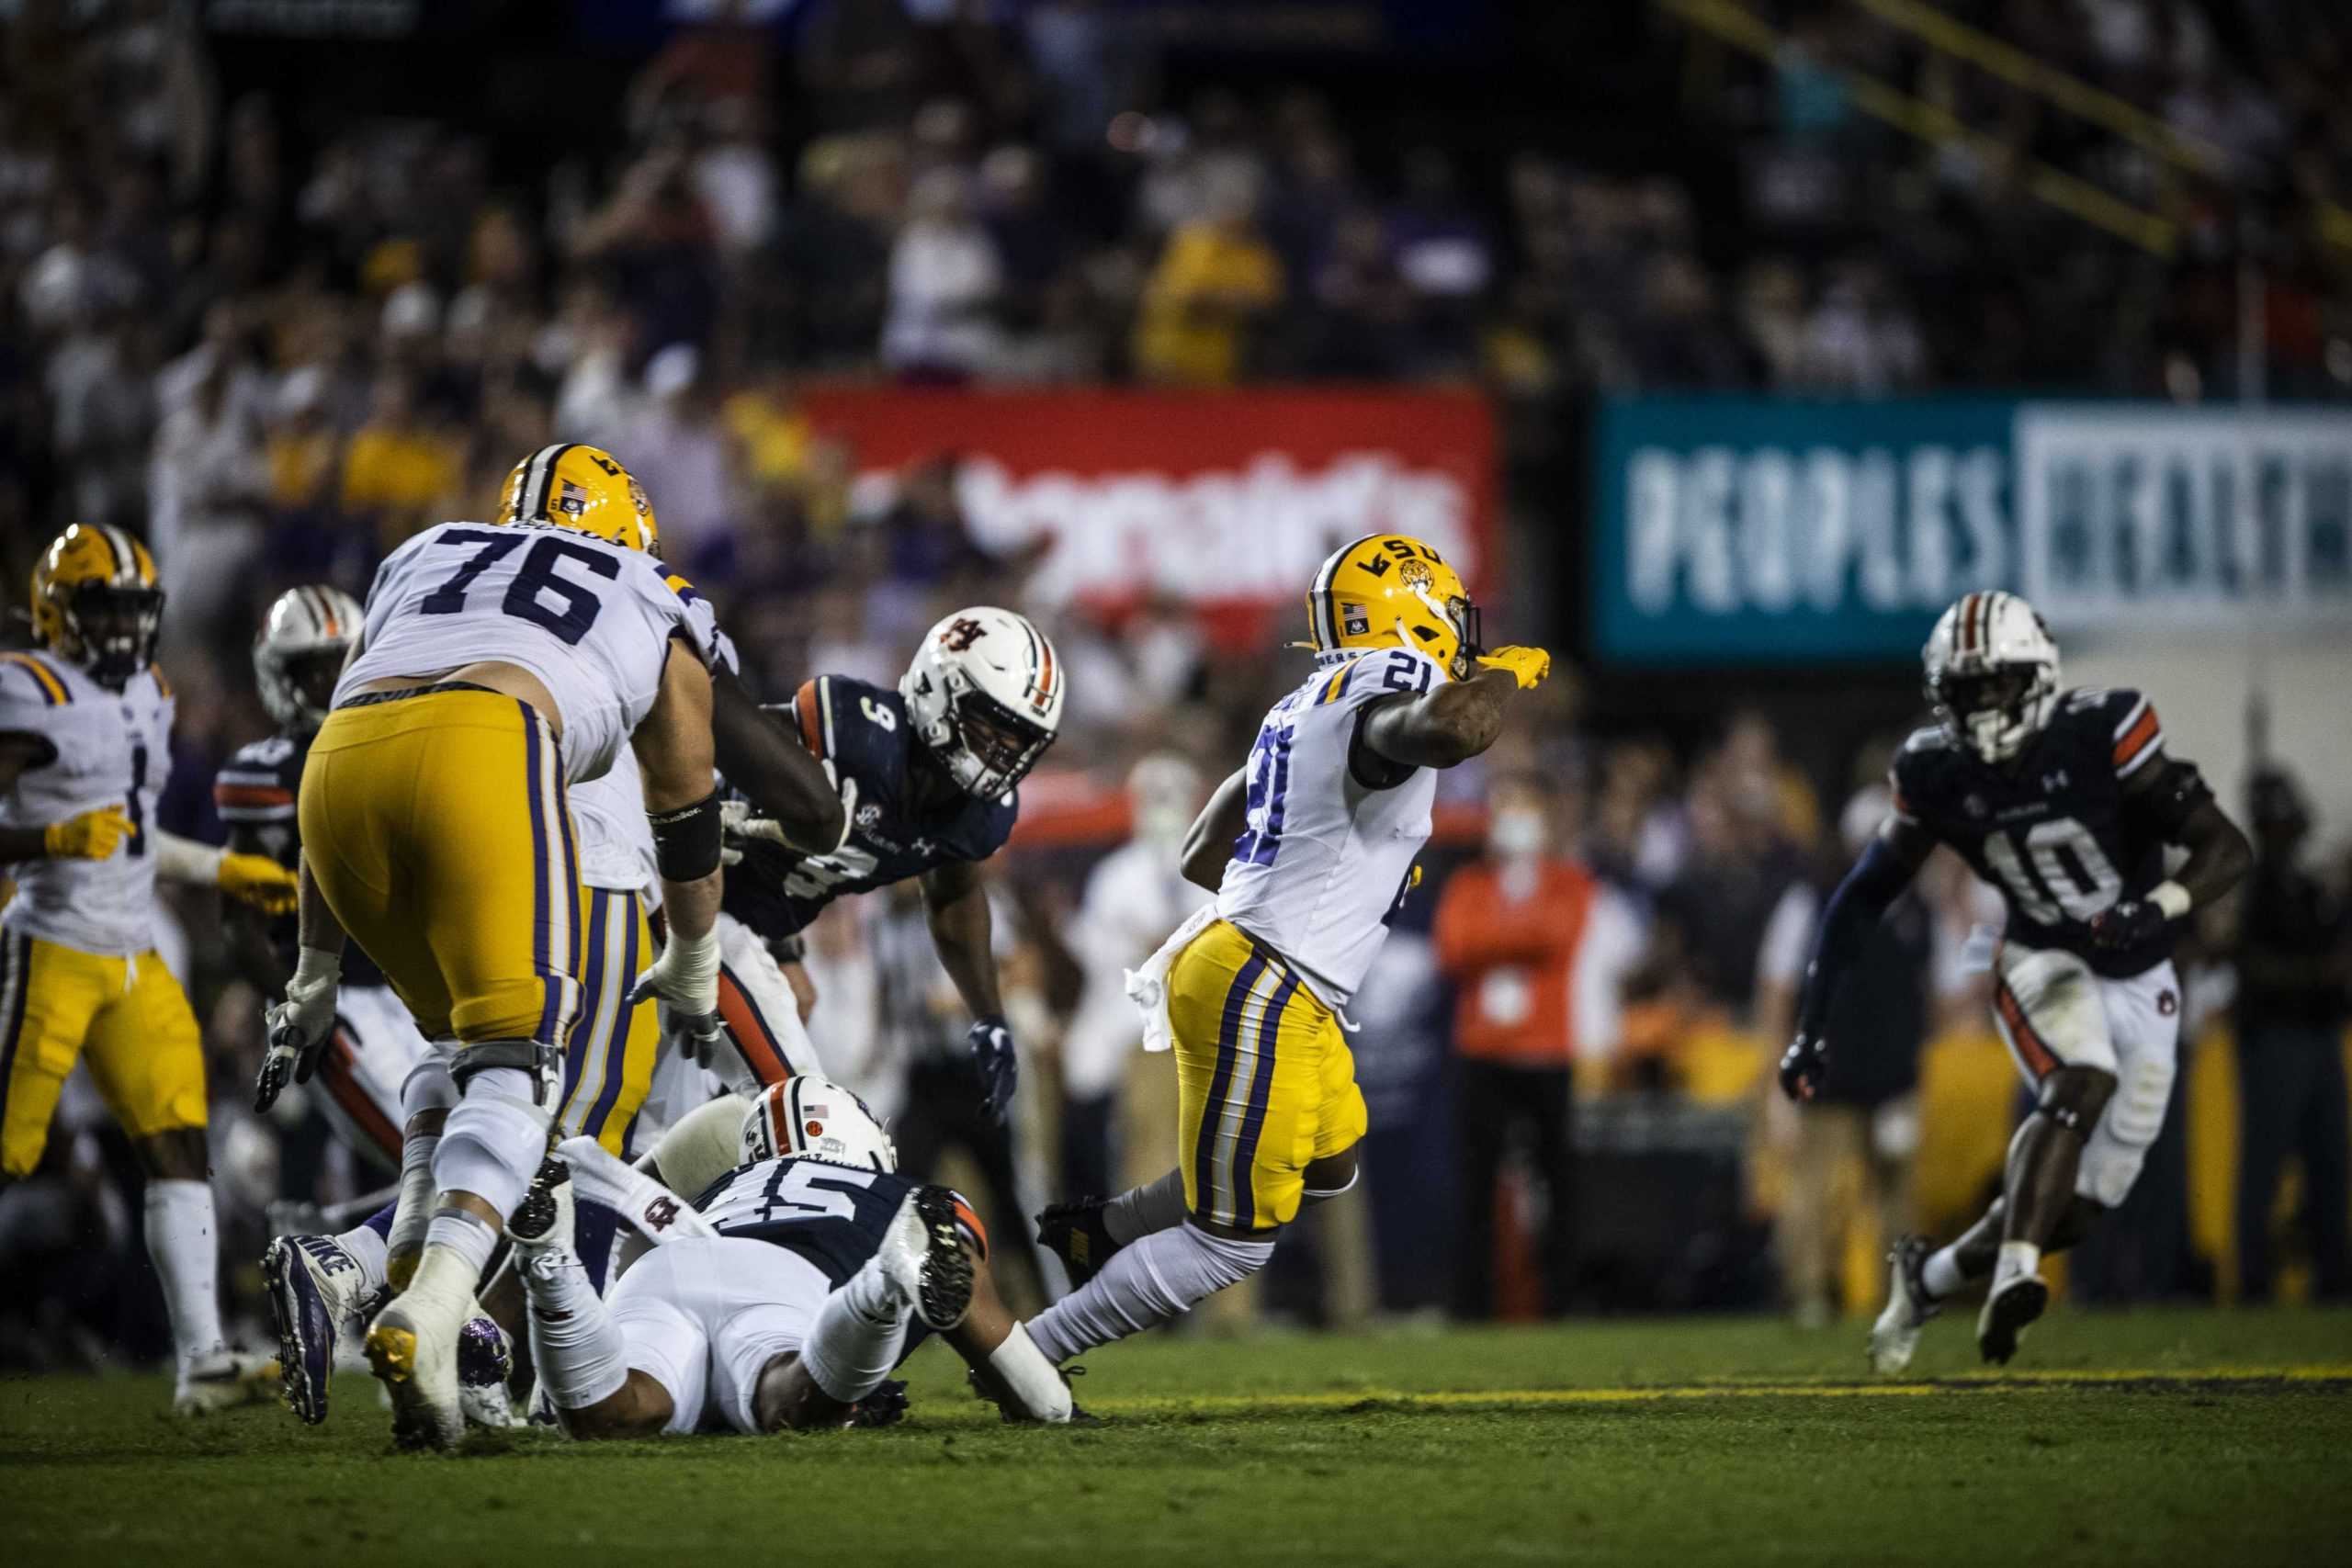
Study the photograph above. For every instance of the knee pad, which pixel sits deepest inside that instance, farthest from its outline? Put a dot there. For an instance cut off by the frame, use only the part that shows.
(491, 1145)
(2075, 1097)
(543, 1062)
(428, 1086)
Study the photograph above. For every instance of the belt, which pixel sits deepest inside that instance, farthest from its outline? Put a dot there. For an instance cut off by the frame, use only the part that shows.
(369, 699)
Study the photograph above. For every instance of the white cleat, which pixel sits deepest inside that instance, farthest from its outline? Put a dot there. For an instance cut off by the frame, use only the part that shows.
(1908, 1307)
(413, 1350)
(223, 1381)
(922, 1253)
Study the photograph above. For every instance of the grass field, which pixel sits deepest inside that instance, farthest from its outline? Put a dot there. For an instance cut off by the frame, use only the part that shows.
(2158, 1437)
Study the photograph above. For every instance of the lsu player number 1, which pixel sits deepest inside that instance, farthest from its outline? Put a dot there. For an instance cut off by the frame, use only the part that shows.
(86, 724)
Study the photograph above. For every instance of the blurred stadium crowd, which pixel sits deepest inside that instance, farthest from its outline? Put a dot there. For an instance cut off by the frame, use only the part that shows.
(276, 353)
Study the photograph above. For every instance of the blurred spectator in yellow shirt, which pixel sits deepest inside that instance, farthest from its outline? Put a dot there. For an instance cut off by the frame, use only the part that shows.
(398, 465)
(1215, 280)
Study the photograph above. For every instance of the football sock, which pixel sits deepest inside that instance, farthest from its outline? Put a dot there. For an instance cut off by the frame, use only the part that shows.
(183, 1241)
(1140, 1211)
(1941, 1273)
(380, 1222)
(456, 1249)
(580, 1351)
(859, 1335)
(1147, 1283)
(413, 1210)
(2018, 1258)
(1023, 1368)
(493, 1141)
(366, 1246)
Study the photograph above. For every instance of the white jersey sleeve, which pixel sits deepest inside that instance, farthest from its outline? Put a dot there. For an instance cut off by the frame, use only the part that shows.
(593, 621)
(616, 838)
(1331, 832)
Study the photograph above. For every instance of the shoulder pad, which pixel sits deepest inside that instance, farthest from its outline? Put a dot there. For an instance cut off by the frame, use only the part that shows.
(1925, 740)
(26, 681)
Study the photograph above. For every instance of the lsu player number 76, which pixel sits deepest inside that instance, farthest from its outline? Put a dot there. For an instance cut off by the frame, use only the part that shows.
(86, 726)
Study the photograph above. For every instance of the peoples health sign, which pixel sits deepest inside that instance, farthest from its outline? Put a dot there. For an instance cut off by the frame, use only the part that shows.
(1742, 530)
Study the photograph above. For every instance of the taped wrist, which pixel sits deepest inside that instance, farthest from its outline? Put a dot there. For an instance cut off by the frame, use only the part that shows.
(313, 967)
(686, 841)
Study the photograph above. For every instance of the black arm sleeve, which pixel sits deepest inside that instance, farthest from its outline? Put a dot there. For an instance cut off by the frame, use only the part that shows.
(1876, 881)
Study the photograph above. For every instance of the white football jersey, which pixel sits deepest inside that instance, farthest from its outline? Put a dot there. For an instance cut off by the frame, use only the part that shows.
(1325, 856)
(110, 749)
(592, 620)
(615, 840)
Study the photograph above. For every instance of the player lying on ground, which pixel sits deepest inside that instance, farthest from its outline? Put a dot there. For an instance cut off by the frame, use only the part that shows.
(2068, 805)
(85, 747)
(497, 667)
(1310, 847)
(782, 1298)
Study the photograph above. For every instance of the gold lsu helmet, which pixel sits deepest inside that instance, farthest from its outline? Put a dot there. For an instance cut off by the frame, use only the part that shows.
(96, 603)
(1392, 590)
(585, 488)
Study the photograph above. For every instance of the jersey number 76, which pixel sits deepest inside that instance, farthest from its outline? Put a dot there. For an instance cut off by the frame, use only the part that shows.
(536, 577)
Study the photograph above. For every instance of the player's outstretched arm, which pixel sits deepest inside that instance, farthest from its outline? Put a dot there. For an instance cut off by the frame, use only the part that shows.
(676, 762)
(1886, 867)
(1208, 842)
(1449, 724)
(2172, 796)
(768, 764)
(964, 933)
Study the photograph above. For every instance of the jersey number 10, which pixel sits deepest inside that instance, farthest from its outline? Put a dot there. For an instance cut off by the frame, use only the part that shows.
(2068, 867)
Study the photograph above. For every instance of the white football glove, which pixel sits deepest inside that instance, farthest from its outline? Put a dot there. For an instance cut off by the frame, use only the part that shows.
(684, 980)
(300, 1025)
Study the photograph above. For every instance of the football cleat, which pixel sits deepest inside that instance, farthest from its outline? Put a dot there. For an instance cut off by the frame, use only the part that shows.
(314, 1284)
(544, 1218)
(1908, 1307)
(923, 1253)
(2008, 1310)
(414, 1353)
(886, 1406)
(485, 1360)
(1074, 1231)
(985, 1391)
(223, 1381)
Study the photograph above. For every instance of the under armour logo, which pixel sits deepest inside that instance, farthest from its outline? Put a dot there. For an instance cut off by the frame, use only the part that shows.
(961, 635)
(2056, 780)
(661, 1214)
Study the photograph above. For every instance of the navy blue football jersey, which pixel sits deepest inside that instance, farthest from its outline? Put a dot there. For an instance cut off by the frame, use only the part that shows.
(864, 731)
(2054, 830)
(833, 1215)
(256, 790)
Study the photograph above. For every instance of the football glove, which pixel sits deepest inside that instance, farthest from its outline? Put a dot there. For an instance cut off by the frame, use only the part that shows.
(1528, 666)
(299, 1024)
(999, 1069)
(94, 835)
(1804, 1066)
(259, 881)
(2127, 924)
(684, 980)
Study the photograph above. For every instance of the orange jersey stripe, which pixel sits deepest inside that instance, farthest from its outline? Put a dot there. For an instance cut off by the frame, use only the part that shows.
(2136, 738)
(804, 707)
(251, 794)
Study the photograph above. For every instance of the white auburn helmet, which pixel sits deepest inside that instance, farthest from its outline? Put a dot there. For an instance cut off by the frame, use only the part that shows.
(815, 1117)
(1992, 673)
(300, 649)
(985, 692)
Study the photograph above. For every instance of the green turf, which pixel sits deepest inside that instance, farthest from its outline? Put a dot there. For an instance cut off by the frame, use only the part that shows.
(1307, 1449)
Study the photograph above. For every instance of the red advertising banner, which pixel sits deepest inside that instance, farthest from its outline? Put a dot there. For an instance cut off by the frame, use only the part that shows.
(1219, 498)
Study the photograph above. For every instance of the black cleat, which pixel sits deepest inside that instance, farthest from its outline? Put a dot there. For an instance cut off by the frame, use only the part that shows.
(1075, 1233)
(886, 1406)
(2008, 1312)
(922, 1252)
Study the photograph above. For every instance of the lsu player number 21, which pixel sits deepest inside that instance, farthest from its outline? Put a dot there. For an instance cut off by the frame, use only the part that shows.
(2067, 803)
(497, 666)
(86, 726)
(1309, 846)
